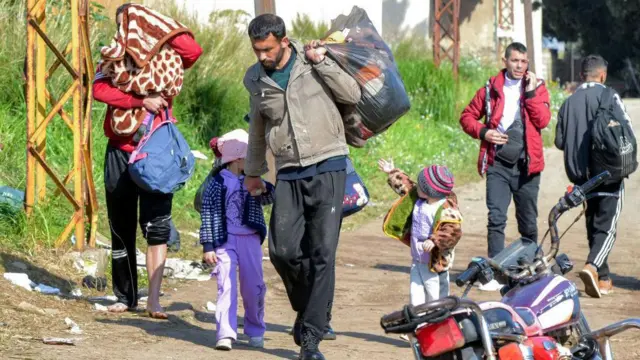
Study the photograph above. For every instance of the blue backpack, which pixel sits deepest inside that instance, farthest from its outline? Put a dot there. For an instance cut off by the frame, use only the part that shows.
(162, 162)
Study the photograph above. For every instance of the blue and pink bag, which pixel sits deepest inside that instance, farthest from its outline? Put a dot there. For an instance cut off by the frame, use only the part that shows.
(162, 162)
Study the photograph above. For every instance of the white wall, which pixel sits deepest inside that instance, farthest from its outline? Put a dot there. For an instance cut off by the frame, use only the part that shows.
(401, 18)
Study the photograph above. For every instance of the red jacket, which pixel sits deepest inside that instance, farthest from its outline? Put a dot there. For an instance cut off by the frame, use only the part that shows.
(535, 114)
(104, 91)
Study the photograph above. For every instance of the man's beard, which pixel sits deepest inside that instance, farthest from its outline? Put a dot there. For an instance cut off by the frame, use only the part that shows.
(271, 65)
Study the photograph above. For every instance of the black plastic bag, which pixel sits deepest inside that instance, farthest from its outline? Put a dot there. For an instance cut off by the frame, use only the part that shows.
(354, 43)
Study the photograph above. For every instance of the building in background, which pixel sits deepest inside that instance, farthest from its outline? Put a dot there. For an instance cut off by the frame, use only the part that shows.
(399, 19)
(394, 19)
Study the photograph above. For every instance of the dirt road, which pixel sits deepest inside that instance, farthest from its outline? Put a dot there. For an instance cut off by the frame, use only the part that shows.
(372, 280)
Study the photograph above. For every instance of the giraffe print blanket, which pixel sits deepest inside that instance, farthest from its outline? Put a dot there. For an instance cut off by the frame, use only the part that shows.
(140, 61)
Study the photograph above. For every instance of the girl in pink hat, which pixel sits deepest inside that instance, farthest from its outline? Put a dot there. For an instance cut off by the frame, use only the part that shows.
(433, 229)
(232, 232)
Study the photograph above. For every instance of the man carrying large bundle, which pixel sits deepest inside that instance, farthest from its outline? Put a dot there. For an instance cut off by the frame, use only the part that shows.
(293, 94)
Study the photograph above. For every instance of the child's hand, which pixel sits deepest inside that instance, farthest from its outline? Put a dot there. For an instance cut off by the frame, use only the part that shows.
(428, 245)
(210, 258)
(254, 184)
(385, 165)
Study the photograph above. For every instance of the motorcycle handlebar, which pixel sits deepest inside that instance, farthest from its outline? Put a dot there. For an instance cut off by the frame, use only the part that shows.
(472, 271)
(595, 181)
(449, 303)
(576, 197)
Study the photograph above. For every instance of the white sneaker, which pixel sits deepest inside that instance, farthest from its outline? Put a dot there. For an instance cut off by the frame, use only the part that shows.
(256, 342)
(224, 344)
(405, 337)
(492, 285)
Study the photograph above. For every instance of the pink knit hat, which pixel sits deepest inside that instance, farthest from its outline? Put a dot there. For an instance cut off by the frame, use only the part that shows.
(436, 181)
(230, 146)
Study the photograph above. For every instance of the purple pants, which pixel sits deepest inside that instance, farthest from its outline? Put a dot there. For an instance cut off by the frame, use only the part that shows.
(242, 251)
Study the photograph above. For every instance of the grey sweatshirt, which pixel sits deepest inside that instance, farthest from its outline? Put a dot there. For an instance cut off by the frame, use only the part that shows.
(573, 134)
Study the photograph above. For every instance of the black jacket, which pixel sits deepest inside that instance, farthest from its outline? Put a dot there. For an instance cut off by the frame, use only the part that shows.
(573, 134)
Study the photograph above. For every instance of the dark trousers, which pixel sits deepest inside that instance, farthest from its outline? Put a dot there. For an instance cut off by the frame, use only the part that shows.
(602, 222)
(122, 209)
(305, 227)
(332, 290)
(503, 182)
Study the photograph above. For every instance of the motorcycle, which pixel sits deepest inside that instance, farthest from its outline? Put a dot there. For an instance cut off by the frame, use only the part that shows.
(538, 318)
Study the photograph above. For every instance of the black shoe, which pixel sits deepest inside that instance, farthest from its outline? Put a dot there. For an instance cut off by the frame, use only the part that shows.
(310, 345)
(329, 334)
(297, 329)
(311, 355)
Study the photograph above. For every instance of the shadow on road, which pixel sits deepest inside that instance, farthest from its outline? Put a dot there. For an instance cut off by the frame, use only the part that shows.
(625, 282)
(178, 328)
(375, 338)
(394, 268)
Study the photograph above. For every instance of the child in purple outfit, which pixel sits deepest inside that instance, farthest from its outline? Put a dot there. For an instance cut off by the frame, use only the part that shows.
(231, 234)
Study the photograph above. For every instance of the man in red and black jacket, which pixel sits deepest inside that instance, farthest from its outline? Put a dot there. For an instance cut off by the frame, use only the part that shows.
(511, 150)
(122, 193)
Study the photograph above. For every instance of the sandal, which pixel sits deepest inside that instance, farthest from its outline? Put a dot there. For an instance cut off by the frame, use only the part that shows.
(158, 315)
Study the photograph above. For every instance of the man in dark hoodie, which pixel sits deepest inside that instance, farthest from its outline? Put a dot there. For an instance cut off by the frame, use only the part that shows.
(573, 137)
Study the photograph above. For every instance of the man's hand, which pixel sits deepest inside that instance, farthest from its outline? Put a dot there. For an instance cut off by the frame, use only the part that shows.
(254, 185)
(532, 81)
(428, 245)
(314, 52)
(385, 166)
(210, 258)
(154, 103)
(496, 137)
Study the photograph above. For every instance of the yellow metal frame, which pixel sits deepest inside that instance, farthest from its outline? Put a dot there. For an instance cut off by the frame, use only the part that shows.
(83, 196)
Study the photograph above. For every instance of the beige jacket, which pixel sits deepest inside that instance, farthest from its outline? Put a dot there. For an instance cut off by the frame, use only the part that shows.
(301, 125)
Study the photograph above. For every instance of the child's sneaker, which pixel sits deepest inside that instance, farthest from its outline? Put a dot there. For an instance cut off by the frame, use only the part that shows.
(224, 344)
(256, 342)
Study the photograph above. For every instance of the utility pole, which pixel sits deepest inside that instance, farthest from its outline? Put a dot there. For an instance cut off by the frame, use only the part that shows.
(528, 23)
(446, 33)
(265, 7)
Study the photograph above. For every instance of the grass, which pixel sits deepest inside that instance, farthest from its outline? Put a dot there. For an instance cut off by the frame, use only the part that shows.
(214, 101)
(304, 29)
